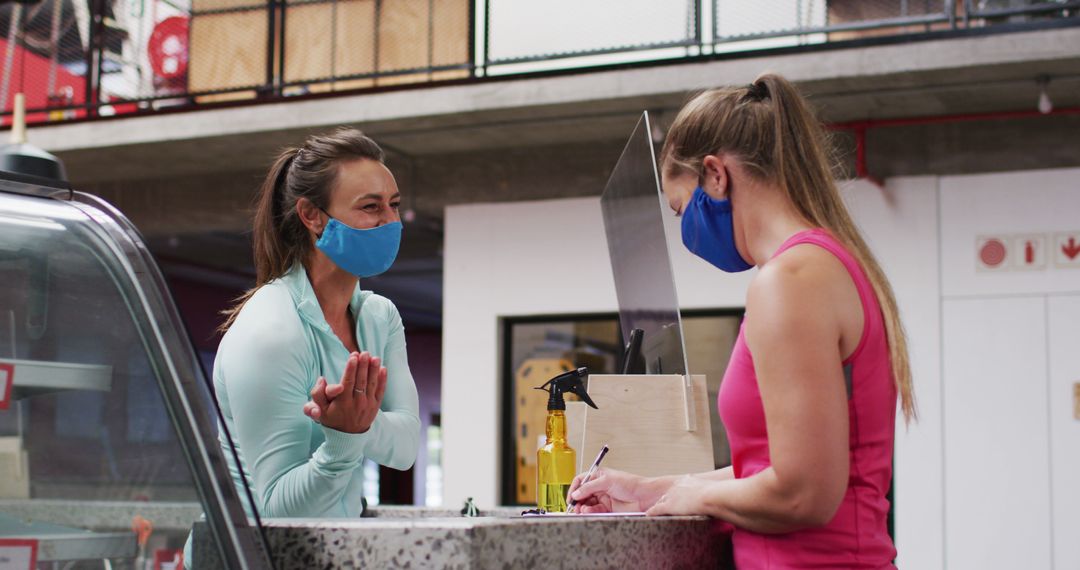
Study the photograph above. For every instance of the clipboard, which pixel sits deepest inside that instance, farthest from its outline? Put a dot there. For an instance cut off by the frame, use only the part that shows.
(528, 514)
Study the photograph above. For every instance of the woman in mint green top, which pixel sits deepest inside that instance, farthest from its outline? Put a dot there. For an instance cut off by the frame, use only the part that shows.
(326, 216)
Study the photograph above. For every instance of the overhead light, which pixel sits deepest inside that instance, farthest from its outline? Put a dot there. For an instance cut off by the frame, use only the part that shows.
(1045, 104)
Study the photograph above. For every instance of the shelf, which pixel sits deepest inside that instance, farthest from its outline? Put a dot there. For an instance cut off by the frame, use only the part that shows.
(36, 378)
(58, 543)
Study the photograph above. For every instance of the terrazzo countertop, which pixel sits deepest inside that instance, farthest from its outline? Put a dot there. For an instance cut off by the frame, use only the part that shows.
(490, 542)
(103, 515)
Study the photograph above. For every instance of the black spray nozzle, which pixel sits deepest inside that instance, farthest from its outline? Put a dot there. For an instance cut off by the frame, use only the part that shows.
(572, 381)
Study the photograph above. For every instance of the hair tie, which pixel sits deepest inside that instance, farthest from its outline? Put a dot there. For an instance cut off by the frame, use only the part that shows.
(756, 91)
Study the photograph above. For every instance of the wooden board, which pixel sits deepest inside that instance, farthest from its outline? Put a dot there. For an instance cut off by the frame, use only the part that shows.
(642, 420)
(404, 40)
(450, 35)
(308, 42)
(226, 97)
(349, 84)
(201, 5)
(227, 50)
(324, 40)
(450, 38)
(355, 49)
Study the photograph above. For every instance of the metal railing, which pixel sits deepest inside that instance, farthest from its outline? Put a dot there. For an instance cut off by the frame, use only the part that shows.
(78, 59)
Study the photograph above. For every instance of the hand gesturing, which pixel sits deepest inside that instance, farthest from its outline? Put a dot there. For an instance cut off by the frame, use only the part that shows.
(352, 405)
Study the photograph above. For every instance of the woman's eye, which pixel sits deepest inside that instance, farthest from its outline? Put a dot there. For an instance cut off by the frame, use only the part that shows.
(395, 205)
(371, 207)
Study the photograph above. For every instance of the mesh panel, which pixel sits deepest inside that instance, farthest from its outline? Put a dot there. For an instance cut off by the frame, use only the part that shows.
(994, 11)
(228, 45)
(734, 20)
(523, 30)
(351, 44)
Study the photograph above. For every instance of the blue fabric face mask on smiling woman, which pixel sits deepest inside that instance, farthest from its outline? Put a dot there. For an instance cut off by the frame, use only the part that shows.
(708, 231)
(364, 253)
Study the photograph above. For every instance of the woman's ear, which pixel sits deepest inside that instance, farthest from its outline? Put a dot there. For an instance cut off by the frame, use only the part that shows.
(715, 181)
(310, 215)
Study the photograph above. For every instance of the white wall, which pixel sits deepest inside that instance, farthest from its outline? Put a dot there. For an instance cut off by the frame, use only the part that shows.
(900, 223)
(527, 258)
(1010, 358)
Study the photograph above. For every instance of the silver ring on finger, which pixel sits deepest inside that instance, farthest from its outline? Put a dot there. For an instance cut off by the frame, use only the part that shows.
(358, 391)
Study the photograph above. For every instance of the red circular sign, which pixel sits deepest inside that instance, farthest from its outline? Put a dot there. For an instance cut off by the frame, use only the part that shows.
(992, 253)
(168, 47)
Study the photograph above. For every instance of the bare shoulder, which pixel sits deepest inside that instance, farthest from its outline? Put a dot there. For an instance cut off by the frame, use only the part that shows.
(794, 294)
(803, 272)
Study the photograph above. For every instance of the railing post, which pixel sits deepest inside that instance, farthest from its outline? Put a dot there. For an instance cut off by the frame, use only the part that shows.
(101, 42)
(699, 22)
(487, 34)
(283, 5)
(472, 37)
(91, 38)
(270, 87)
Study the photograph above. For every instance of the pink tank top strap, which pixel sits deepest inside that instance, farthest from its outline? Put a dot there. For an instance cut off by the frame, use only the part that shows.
(871, 310)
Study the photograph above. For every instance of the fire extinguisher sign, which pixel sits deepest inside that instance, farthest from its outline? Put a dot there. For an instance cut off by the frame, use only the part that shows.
(1030, 252)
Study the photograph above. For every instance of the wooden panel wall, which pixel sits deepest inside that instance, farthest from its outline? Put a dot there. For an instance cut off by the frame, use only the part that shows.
(223, 50)
(322, 40)
(355, 49)
(450, 37)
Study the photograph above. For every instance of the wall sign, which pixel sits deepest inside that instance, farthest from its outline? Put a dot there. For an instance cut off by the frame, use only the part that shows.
(1030, 252)
(18, 554)
(1027, 252)
(992, 253)
(1067, 250)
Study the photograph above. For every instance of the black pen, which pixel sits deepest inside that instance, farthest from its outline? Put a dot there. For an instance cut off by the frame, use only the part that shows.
(588, 475)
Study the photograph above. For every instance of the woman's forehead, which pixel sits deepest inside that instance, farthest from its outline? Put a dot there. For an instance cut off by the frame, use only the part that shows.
(364, 178)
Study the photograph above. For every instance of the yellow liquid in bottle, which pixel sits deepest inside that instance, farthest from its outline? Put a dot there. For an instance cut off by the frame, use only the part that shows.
(556, 465)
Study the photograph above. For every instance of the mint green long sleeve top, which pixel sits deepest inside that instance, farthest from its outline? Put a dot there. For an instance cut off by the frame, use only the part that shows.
(266, 366)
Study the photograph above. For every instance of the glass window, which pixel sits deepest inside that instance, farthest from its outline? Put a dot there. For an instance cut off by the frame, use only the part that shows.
(537, 350)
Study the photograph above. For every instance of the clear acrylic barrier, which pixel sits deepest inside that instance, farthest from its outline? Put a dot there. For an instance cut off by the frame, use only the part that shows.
(633, 210)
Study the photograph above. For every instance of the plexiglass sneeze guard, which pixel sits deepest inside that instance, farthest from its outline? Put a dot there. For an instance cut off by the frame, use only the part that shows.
(108, 431)
(633, 207)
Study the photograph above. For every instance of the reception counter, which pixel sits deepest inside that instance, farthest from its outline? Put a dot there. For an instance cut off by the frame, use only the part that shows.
(431, 538)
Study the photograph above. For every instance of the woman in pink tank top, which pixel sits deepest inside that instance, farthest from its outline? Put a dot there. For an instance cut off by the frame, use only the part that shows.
(810, 394)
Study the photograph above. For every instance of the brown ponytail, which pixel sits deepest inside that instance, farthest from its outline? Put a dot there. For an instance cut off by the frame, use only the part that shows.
(770, 127)
(280, 239)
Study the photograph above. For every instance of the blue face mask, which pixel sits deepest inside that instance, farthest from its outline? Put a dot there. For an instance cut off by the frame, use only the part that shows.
(708, 231)
(364, 253)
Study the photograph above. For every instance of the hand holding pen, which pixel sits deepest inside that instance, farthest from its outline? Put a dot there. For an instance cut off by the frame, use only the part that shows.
(571, 503)
(610, 490)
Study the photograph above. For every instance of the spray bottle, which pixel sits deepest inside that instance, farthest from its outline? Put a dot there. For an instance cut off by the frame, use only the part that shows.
(556, 462)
